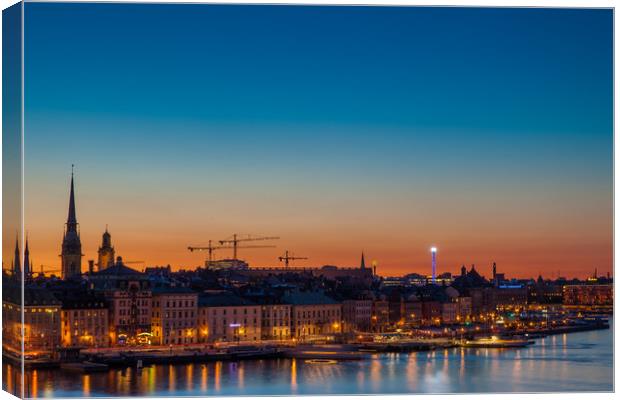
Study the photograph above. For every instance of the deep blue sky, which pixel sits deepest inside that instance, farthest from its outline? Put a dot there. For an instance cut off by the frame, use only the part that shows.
(505, 111)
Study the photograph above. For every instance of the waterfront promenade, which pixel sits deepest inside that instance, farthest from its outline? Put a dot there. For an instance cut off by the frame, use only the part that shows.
(567, 362)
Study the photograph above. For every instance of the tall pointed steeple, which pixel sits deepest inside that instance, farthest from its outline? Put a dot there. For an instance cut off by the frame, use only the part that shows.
(71, 254)
(72, 219)
(362, 263)
(17, 269)
(26, 259)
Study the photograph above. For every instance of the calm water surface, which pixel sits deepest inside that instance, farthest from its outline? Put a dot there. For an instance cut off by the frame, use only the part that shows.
(571, 362)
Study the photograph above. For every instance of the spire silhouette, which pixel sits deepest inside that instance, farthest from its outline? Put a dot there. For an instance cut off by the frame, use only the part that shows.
(72, 219)
(26, 259)
(16, 261)
(363, 263)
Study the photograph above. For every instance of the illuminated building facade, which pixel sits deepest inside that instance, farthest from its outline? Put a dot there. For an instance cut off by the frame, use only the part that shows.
(276, 321)
(357, 315)
(314, 314)
(84, 321)
(128, 294)
(380, 315)
(174, 316)
(227, 317)
(41, 323)
(588, 295)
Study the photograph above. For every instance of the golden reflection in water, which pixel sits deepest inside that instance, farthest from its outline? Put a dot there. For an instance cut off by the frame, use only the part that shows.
(218, 375)
(86, 385)
(171, 378)
(241, 373)
(35, 384)
(412, 371)
(516, 369)
(360, 380)
(294, 375)
(462, 366)
(150, 379)
(123, 383)
(189, 376)
(375, 373)
(9, 379)
(204, 378)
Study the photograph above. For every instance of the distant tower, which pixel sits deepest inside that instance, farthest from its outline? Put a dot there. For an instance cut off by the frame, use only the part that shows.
(106, 251)
(27, 264)
(362, 263)
(463, 270)
(494, 271)
(434, 261)
(17, 269)
(71, 255)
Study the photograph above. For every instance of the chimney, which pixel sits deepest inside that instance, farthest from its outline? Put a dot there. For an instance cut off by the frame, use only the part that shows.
(91, 266)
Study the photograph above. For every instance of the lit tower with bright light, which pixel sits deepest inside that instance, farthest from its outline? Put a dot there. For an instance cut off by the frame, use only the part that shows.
(434, 257)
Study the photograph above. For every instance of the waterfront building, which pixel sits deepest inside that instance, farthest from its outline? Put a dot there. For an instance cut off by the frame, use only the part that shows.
(413, 311)
(510, 295)
(276, 321)
(313, 314)
(449, 313)
(396, 307)
(588, 295)
(380, 315)
(129, 297)
(174, 316)
(464, 310)
(84, 320)
(106, 252)
(40, 324)
(71, 254)
(431, 312)
(544, 292)
(356, 315)
(224, 316)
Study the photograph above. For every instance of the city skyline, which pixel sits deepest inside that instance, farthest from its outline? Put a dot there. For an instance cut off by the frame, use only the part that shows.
(492, 147)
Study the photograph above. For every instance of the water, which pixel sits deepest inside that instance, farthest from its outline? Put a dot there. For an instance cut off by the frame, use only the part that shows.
(571, 362)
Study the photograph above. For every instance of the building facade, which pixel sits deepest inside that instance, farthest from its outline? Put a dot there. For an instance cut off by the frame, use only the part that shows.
(174, 318)
(357, 315)
(227, 318)
(276, 321)
(84, 321)
(129, 297)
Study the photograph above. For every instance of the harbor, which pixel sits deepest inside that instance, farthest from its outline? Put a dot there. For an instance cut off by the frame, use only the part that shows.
(579, 360)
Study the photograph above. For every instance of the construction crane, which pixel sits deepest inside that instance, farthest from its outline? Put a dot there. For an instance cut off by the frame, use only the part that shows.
(210, 248)
(286, 258)
(235, 240)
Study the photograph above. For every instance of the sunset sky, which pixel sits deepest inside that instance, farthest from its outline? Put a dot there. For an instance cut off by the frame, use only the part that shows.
(485, 132)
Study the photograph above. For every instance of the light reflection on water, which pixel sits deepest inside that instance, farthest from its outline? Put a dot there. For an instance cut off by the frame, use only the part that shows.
(578, 361)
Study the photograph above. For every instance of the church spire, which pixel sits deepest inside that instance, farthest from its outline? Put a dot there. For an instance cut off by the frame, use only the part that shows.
(16, 260)
(72, 219)
(26, 259)
(362, 263)
(71, 254)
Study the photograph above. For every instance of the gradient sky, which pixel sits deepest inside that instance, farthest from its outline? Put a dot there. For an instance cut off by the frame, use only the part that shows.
(485, 132)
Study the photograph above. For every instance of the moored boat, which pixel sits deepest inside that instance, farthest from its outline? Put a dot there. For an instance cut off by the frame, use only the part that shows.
(497, 343)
